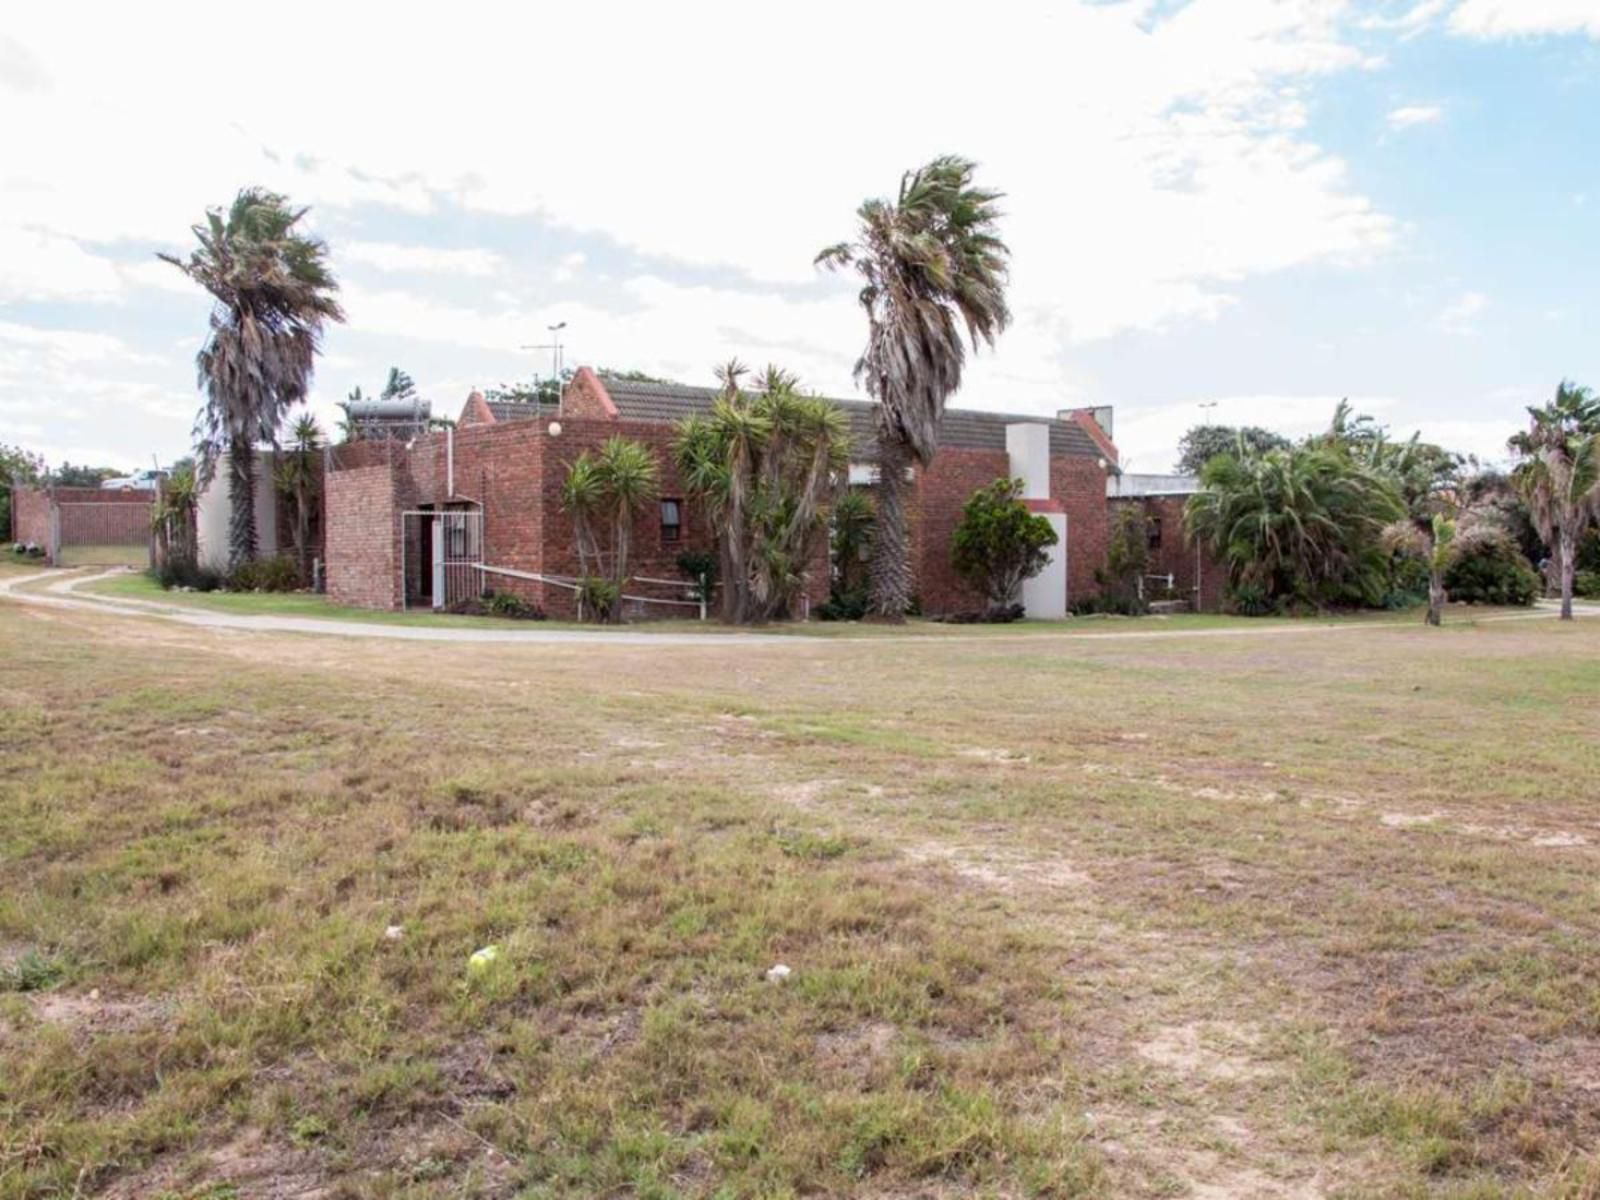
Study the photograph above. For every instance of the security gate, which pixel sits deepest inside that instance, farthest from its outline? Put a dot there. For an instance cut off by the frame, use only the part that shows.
(441, 553)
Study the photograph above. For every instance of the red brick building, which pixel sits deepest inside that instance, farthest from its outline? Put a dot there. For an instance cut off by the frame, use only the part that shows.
(400, 517)
(1196, 577)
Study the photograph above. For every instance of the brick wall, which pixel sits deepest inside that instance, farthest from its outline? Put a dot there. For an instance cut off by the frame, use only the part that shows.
(30, 515)
(1199, 577)
(363, 537)
(1078, 483)
(89, 516)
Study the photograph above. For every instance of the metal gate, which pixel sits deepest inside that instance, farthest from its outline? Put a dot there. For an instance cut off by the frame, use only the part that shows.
(441, 557)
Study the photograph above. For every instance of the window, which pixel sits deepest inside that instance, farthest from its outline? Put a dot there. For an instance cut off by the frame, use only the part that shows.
(1155, 533)
(671, 520)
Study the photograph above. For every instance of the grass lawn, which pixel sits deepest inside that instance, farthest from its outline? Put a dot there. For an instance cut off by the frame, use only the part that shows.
(142, 587)
(1291, 916)
(106, 556)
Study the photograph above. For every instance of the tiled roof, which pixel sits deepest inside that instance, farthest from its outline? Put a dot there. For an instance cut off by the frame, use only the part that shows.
(965, 428)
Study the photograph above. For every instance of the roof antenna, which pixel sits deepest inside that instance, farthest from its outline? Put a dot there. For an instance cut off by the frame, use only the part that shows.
(554, 346)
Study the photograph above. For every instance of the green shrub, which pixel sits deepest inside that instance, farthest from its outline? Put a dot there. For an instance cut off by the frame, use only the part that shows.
(599, 597)
(1587, 585)
(1487, 568)
(999, 543)
(1250, 600)
(176, 573)
(700, 568)
(846, 606)
(508, 604)
(280, 574)
(1110, 600)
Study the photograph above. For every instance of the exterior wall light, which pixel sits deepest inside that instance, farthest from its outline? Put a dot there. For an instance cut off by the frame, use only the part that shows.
(555, 429)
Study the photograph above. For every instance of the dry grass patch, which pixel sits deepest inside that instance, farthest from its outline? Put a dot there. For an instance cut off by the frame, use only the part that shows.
(1155, 939)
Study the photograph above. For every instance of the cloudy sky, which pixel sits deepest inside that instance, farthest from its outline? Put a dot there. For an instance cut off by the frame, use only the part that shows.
(1259, 205)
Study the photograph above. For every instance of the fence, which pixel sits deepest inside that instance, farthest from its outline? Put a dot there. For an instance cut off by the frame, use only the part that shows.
(79, 527)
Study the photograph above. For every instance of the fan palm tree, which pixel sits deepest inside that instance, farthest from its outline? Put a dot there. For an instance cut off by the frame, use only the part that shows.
(931, 263)
(298, 478)
(1558, 475)
(271, 294)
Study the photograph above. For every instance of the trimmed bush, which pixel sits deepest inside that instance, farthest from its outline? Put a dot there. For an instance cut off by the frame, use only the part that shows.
(279, 574)
(179, 573)
(1487, 568)
(1586, 584)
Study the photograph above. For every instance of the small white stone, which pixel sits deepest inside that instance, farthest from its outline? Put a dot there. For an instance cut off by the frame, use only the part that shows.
(395, 932)
(94, 994)
(778, 974)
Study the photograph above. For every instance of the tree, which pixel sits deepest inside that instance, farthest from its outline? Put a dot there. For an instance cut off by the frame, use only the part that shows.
(18, 468)
(999, 543)
(1297, 526)
(1128, 556)
(174, 521)
(931, 263)
(604, 491)
(1427, 480)
(1204, 442)
(765, 466)
(272, 294)
(399, 386)
(70, 475)
(298, 477)
(1558, 475)
(855, 523)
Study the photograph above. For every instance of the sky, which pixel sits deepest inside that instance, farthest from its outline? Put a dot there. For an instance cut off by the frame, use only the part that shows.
(1236, 210)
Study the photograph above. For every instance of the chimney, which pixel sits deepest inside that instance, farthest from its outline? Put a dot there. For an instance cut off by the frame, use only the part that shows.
(1099, 414)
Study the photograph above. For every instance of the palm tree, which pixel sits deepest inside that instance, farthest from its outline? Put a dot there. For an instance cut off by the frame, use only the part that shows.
(298, 478)
(610, 486)
(1427, 479)
(766, 467)
(1559, 474)
(931, 262)
(174, 518)
(271, 292)
(1295, 526)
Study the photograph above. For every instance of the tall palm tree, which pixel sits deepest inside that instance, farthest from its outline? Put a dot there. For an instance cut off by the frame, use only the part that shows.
(272, 292)
(931, 263)
(1559, 475)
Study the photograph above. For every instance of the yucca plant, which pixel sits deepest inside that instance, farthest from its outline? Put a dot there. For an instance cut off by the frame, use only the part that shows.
(272, 294)
(1558, 475)
(765, 466)
(606, 490)
(931, 266)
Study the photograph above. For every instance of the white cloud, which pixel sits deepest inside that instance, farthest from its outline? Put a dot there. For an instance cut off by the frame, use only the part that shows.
(388, 256)
(1175, 164)
(1411, 115)
(38, 265)
(1410, 22)
(1461, 314)
(1524, 18)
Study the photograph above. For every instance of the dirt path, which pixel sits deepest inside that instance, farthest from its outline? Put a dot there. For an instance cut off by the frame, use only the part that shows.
(63, 593)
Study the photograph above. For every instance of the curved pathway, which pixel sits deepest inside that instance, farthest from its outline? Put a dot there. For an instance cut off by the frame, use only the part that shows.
(63, 594)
